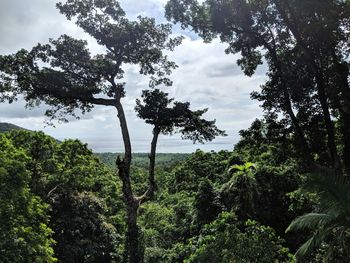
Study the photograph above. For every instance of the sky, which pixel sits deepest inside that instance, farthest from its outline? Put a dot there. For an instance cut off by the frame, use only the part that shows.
(206, 77)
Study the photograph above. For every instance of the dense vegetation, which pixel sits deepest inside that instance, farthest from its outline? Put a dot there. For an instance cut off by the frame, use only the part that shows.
(210, 207)
(281, 195)
(163, 160)
(67, 193)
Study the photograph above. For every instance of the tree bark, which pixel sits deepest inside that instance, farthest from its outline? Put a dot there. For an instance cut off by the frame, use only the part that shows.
(328, 122)
(152, 159)
(342, 73)
(152, 187)
(133, 246)
(301, 142)
(134, 250)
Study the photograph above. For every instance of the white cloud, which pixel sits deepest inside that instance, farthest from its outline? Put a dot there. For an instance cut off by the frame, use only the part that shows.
(206, 77)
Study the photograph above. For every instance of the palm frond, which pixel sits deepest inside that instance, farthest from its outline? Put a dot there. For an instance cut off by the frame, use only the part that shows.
(242, 168)
(314, 242)
(309, 221)
(333, 190)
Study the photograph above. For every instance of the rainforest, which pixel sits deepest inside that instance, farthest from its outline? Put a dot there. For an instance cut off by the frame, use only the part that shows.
(277, 192)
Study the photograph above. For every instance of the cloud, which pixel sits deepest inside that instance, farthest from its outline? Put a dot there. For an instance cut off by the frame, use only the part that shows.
(206, 77)
(150, 8)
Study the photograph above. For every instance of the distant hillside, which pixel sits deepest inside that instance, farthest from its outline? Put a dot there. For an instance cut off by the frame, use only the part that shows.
(141, 159)
(6, 127)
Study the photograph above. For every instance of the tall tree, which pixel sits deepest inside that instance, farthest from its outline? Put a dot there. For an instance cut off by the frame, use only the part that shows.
(311, 34)
(167, 117)
(64, 75)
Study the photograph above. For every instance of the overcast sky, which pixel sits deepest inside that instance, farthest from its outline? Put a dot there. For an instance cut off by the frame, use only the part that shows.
(206, 77)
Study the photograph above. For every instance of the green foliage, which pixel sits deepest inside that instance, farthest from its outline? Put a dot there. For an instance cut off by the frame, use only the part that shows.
(224, 240)
(266, 141)
(273, 204)
(24, 231)
(240, 193)
(206, 204)
(245, 168)
(201, 165)
(81, 193)
(59, 200)
(82, 231)
(87, 212)
(330, 223)
(164, 161)
(154, 109)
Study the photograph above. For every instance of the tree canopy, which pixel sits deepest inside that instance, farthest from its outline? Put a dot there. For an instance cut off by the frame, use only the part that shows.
(283, 188)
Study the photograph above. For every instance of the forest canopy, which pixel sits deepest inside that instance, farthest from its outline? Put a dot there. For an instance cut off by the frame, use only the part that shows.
(281, 194)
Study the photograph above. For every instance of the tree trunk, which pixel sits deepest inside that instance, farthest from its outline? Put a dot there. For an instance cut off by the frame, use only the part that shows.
(134, 250)
(133, 245)
(152, 160)
(345, 130)
(290, 20)
(328, 122)
(152, 186)
(342, 73)
(301, 142)
(300, 139)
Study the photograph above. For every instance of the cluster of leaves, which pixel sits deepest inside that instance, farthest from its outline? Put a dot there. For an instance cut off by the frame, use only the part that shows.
(169, 116)
(58, 202)
(225, 240)
(24, 231)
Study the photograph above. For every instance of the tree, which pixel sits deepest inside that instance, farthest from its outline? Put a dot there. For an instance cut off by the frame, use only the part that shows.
(240, 193)
(226, 240)
(81, 230)
(198, 167)
(269, 136)
(154, 109)
(74, 184)
(64, 75)
(305, 45)
(206, 204)
(24, 231)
